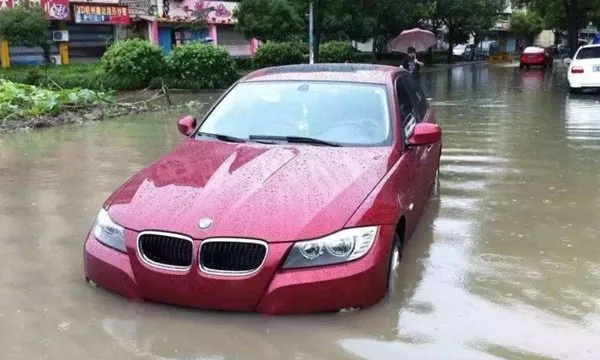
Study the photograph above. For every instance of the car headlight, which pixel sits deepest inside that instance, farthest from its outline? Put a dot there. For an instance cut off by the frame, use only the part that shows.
(108, 233)
(342, 246)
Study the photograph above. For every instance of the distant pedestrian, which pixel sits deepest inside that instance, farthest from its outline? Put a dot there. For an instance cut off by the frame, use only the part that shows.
(412, 64)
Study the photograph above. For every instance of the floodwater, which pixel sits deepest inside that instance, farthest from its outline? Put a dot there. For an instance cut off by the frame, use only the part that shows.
(505, 263)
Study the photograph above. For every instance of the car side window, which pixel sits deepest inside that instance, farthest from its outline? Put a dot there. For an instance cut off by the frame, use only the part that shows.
(420, 101)
(407, 109)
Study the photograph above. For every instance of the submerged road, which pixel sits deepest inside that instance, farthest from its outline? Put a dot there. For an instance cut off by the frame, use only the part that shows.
(505, 263)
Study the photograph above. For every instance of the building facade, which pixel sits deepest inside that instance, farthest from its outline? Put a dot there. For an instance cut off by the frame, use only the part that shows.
(183, 21)
(82, 30)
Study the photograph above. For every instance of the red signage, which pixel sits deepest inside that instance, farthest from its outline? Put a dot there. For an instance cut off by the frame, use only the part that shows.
(101, 14)
(55, 9)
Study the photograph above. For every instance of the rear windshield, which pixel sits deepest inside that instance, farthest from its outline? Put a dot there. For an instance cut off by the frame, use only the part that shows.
(533, 50)
(589, 53)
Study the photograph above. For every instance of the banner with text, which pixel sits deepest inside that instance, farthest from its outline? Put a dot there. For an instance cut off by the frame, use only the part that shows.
(101, 14)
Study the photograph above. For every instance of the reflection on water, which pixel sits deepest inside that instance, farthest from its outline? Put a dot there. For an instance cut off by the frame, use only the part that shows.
(504, 264)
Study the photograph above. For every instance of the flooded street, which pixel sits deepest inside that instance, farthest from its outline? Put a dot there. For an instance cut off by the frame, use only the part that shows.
(505, 263)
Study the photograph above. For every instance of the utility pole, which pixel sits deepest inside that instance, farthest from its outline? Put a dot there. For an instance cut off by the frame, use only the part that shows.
(311, 40)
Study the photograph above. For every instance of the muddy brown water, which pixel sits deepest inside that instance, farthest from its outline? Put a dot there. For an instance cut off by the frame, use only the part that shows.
(505, 263)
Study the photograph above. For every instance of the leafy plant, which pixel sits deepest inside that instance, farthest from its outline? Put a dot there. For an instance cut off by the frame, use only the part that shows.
(269, 20)
(274, 54)
(336, 52)
(201, 66)
(26, 25)
(20, 100)
(526, 24)
(135, 60)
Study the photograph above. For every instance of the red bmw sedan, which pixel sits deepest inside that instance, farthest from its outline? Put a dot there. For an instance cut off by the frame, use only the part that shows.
(295, 193)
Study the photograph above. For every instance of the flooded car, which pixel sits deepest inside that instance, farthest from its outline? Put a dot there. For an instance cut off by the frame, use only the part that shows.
(295, 193)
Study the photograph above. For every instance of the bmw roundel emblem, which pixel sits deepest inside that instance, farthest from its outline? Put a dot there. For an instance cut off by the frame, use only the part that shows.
(205, 223)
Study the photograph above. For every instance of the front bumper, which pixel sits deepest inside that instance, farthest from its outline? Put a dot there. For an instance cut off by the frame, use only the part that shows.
(271, 290)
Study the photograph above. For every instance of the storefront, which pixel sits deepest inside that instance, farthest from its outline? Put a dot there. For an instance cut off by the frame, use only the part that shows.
(183, 21)
(58, 12)
(96, 24)
(143, 17)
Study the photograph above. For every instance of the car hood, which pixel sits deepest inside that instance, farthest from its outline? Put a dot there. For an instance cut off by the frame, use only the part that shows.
(272, 192)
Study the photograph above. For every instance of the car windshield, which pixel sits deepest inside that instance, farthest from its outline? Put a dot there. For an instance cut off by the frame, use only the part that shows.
(589, 53)
(343, 113)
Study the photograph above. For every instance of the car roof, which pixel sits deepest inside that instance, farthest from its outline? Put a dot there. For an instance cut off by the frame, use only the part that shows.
(589, 46)
(347, 72)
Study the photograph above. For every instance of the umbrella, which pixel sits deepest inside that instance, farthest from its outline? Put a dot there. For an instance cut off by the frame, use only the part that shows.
(420, 39)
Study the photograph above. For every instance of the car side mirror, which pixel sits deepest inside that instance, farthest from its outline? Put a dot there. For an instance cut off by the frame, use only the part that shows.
(568, 61)
(186, 125)
(425, 134)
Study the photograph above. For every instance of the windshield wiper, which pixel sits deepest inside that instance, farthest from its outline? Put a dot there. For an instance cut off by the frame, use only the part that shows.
(222, 137)
(294, 139)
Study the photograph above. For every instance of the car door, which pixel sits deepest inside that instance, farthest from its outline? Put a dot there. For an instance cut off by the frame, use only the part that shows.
(425, 156)
(408, 181)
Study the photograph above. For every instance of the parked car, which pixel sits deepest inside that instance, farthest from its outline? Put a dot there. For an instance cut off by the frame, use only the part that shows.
(296, 193)
(485, 49)
(463, 51)
(584, 69)
(536, 56)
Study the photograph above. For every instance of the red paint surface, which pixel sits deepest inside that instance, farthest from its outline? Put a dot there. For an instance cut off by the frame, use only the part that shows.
(277, 193)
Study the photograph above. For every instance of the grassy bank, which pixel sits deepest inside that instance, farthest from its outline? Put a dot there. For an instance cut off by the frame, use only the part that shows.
(86, 76)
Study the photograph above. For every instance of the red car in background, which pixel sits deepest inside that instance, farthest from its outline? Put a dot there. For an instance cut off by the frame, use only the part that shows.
(536, 56)
(296, 193)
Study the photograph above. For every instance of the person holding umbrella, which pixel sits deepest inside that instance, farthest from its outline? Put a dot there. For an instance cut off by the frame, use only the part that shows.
(412, 64)
(411, 41)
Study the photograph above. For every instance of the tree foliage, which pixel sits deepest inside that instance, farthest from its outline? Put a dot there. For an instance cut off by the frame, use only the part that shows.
(360, 20)
(463, 18)
(269, 20)
(26, 25)
(392, 17)
(570, 15)
(527, 24)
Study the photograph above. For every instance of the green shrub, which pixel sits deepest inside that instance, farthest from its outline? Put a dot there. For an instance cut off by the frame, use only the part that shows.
(243, 63)
(363, 57)
(201, 66)
(336, 52)
(274, 54)
(134, 61)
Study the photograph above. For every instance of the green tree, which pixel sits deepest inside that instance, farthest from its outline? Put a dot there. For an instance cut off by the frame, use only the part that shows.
(465, 17)
(391, 17)
(526, 24)
(570, 15)
(287, 20)
(26, 25)
(269, 20)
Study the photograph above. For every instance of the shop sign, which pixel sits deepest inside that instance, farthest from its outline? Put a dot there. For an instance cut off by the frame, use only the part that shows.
(211, 12)
(101, 14)
(54, 9)
(141, 7)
